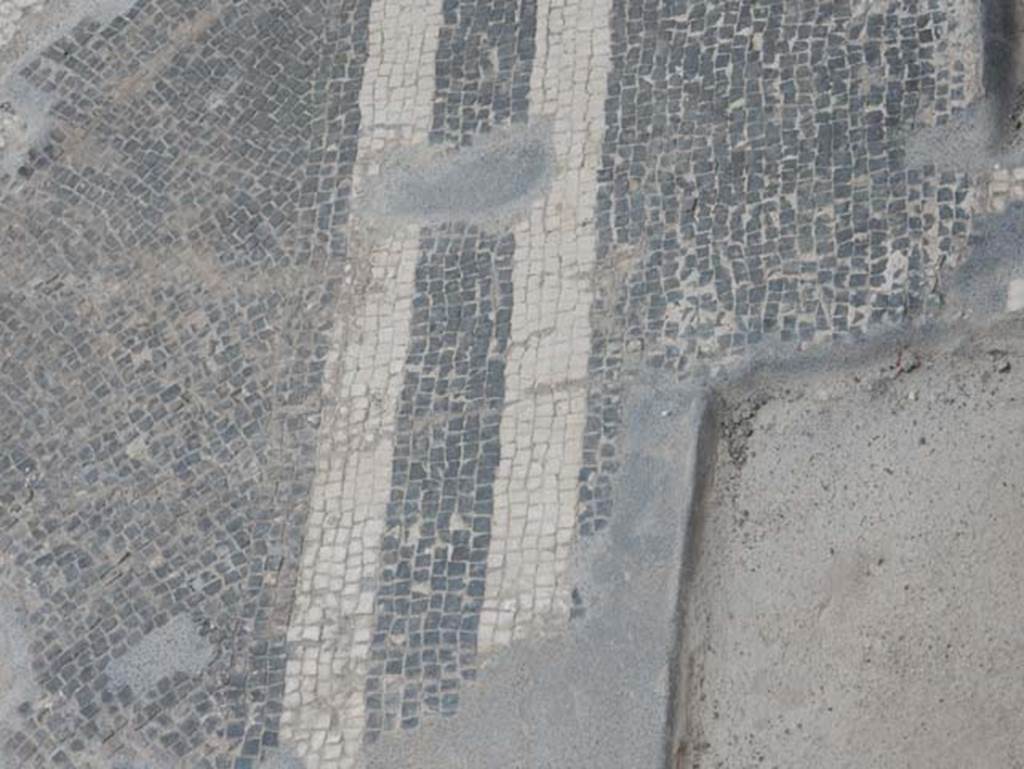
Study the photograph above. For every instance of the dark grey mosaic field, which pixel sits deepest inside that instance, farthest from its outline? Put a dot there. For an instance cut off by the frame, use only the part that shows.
(167, 265)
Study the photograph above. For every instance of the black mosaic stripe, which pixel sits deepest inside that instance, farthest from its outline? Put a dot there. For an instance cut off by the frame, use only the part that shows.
(482, 67)
(446, 454)
(169, 263)
(447, 450)
(752, 176)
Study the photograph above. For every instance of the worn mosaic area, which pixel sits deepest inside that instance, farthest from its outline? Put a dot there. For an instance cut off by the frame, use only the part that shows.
(12, 12)
(171, 259)
(282, 464)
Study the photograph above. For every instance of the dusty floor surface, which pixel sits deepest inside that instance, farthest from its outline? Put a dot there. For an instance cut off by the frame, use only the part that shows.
(858, 596)
(320, 322)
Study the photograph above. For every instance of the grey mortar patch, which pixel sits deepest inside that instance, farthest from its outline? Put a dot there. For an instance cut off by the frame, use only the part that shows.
(29, 109)
(978, 286)
(176, 647)
(601, 694)
(489, 181)
(16, 684)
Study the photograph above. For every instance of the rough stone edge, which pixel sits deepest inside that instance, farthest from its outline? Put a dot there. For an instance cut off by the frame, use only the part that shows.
(701, 481)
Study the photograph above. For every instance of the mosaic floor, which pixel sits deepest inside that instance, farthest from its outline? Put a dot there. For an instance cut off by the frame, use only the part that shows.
(315, 319)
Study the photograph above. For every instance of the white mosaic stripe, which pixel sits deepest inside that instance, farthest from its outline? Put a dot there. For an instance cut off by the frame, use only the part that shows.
(332, 621)
(542, 427)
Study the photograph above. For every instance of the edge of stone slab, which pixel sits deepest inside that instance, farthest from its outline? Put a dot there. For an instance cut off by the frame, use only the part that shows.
(1001, 62)
(702, 472)
(662, 394)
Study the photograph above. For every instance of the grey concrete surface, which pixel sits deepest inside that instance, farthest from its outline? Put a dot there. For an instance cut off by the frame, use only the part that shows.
(23, 110)
(858, 600)
(600, 696)
(983, 286)
(16, 680)
(964, 143)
